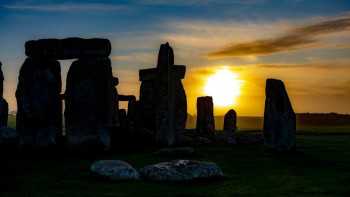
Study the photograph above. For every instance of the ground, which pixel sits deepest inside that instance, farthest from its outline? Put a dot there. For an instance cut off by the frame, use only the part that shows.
(320, 168)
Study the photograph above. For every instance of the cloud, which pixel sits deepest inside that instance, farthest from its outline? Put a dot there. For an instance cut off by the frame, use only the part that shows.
(301, 37)
(65, 7)
(201, 2)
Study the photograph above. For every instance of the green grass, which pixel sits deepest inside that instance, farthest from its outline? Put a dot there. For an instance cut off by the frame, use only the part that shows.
(322, 168)
(11, 121)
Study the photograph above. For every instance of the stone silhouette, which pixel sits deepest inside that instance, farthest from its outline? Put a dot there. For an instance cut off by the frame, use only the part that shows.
(230, 126)
(89, 96)
(279, 117)
(131, 115)
(205, 124)
(89, 100)
(115, 98)
(3, 103)
(39, 106)
(69, 48)
(163, 103)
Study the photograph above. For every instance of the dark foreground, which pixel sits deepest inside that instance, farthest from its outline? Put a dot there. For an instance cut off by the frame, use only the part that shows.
(320, 168)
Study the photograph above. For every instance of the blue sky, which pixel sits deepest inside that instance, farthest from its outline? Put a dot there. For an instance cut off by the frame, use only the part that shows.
(195, 29)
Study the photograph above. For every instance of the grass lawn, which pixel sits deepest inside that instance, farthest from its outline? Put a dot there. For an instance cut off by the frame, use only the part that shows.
(322, 168)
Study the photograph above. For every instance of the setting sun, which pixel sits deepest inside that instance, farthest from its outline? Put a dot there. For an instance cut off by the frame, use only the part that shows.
(224, 86)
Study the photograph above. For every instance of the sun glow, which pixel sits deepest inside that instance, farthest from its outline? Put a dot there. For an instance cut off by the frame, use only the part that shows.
(224, 86)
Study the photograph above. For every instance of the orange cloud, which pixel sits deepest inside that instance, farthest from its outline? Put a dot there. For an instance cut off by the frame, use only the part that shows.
(300, 37)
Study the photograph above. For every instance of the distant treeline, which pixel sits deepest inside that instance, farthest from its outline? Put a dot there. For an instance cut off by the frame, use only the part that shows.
(323, 119)
(303, 119)
(252, 122)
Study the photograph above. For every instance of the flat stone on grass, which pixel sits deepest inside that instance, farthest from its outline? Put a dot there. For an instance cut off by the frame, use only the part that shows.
(114, 170)
(182, 170)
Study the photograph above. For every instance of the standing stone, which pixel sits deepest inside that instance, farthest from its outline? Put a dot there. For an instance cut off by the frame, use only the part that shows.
(39, 106)
(279, 117)
(4, 109)
(116, 121)
(230, 126)
(1, 81)
(89, 102)
(205, 116)
(163, 99)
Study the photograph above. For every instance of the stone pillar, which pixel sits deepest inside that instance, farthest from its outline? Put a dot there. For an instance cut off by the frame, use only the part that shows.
(90, 105)
(279, 117)
(4, 109)
(163, 102)
(230, 126)
(116, 122)
(39, 106)
(205, 116)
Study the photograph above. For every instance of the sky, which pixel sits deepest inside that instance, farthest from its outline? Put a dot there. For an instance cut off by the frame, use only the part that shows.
(305, 43)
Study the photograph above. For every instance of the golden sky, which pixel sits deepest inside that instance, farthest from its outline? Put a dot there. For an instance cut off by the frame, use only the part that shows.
(304, 43)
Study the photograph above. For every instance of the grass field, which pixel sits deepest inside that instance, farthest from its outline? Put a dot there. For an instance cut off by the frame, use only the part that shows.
(321, 168)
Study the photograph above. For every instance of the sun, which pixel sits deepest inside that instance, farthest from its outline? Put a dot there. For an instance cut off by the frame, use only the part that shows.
(224, 86)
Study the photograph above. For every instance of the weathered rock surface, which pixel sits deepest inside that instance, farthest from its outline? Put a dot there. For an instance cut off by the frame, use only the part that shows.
(230, 126)
(8, 136)
(163, 104)
(279, 117)
(181, 170)
(69, 48)
(89, 102)
(39, 105)
(205, 124)
(114, 170)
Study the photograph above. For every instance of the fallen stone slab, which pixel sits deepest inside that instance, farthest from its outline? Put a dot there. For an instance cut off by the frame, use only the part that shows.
(116, 170)
(181, 170)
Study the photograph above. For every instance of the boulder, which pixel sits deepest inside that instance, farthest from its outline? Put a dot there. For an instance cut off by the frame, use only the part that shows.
(181, 170)
(115, 170)
(205, 116)
(39, 104)
(279, 117)
(230, 126)
(69, 48)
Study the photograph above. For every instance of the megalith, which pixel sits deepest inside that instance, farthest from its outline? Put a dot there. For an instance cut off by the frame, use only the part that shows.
(279, 117)
(230, 126)
(89, 98)
(4, 109)
(163, 104)
(90, 102)
(205, 124)
(39, 105)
